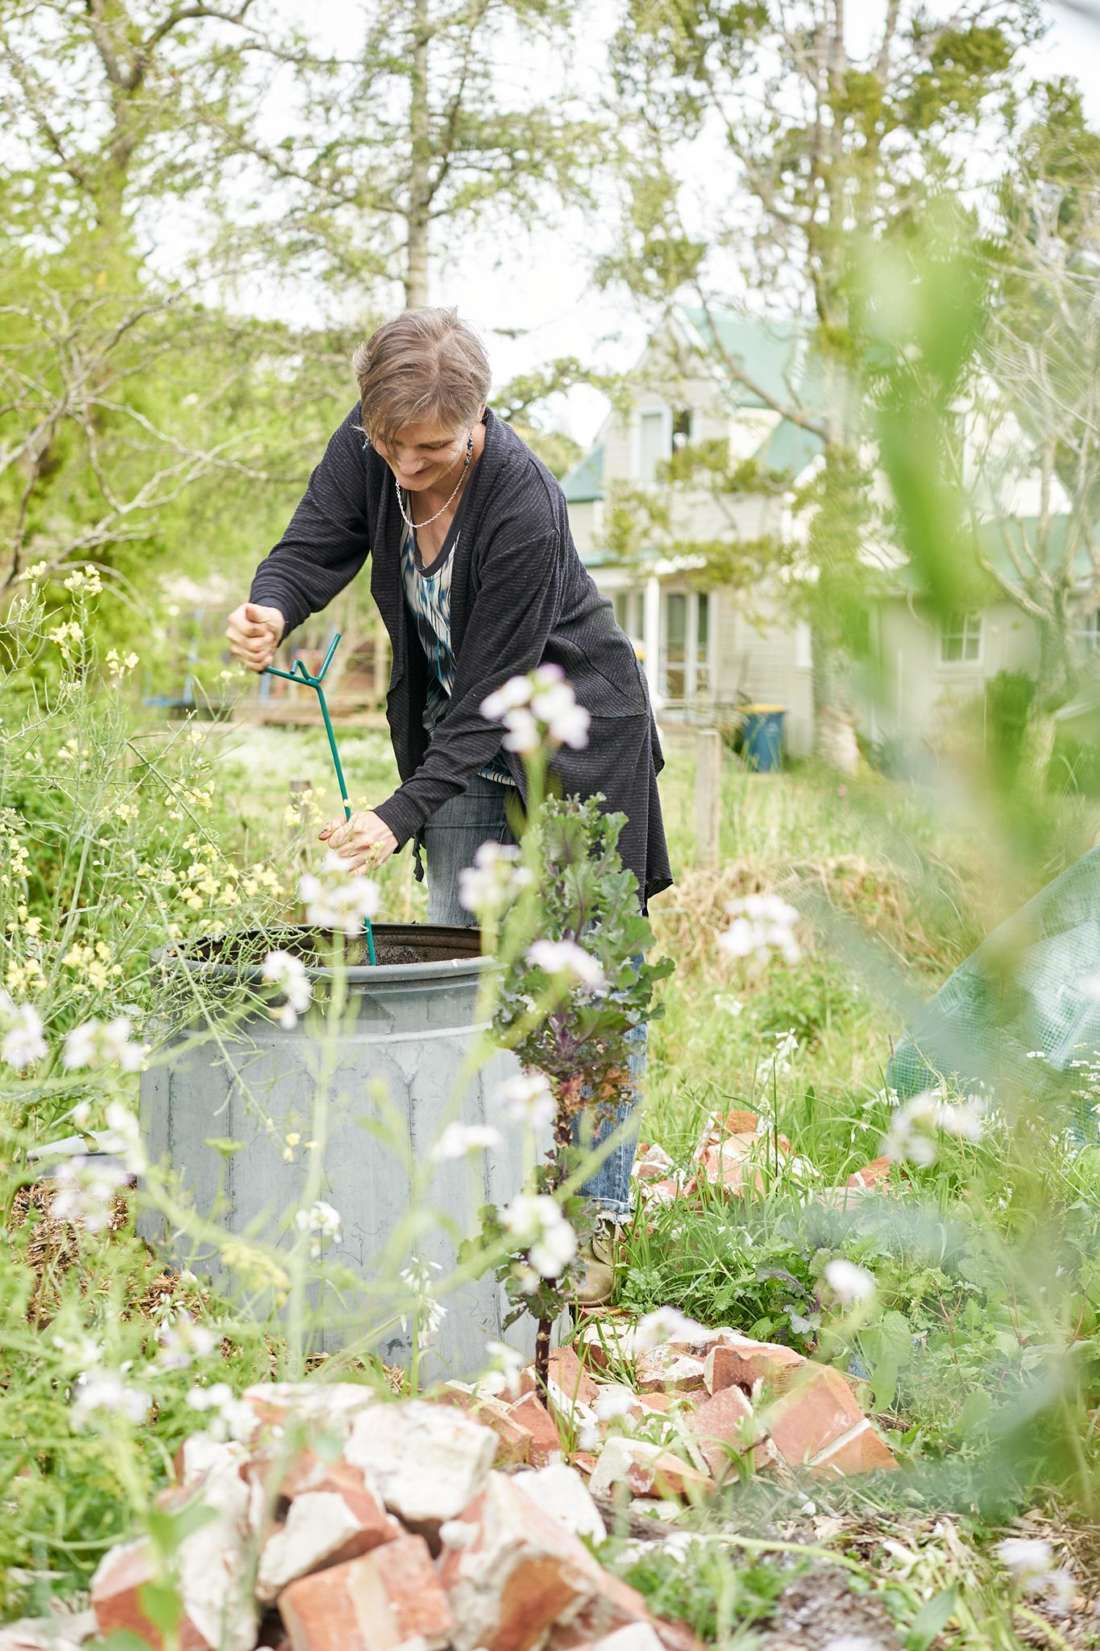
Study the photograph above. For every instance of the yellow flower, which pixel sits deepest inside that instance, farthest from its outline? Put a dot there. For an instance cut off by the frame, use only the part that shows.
(85, 581)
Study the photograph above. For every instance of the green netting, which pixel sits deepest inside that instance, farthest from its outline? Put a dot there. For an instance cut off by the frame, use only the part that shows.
(1024, 1007)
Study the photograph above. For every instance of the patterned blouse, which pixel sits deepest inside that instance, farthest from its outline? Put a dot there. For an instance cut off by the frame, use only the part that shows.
(428, 594)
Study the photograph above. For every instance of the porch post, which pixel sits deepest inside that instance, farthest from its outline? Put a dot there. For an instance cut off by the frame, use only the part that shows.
(651, 634)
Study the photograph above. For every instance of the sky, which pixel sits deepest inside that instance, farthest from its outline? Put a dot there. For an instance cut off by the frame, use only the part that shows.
(538, 286)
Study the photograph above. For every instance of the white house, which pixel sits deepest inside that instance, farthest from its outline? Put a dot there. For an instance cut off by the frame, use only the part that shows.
(704, 652)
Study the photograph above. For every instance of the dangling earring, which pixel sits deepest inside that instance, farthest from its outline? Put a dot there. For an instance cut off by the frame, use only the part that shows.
(469, 450)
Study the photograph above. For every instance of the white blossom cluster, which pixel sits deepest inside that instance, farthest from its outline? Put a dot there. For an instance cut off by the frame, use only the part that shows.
(289, 974)
(778, 1063)
(913, 1128)
(98, 1390)
(85, 1189)
(183, 1340)
(538, 709)
(849, 1283)
(527, 1098)
(336, 901)
(430, 1313)
(761, 924)
(666, 1324)
(459, 1140)
(21, 1039)
(565, 957)
(321, 1221)
(536, 1222)
(1031, 1562)
(230, 1417)
(494, 880)
(103, 1043)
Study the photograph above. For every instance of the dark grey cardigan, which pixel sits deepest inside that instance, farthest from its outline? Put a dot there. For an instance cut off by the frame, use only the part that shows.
(520, 597)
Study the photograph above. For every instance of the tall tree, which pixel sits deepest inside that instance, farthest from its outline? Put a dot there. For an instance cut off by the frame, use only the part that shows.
(396, 147)
(769, 152)
(1034, 451)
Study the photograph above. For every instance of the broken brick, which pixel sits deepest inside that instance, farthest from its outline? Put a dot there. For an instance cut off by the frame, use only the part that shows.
(668, 1369)
(645, 1469)
(872, 1175)
(322, 1527)
(532, 1416)
(427, 1461)
(513, 1441)
(811, 1415)
(519, 1574)
(562, 1493)
(724, 1423)
(861, 1450)
(388, 1600)
(739, 1361)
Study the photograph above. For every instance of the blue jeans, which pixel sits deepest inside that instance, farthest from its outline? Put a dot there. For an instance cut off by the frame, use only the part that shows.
(452, 837)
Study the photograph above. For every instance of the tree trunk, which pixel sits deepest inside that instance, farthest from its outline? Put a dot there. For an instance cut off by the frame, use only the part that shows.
(417, 248)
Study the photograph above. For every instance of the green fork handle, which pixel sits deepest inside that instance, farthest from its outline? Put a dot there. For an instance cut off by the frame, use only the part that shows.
(300, 675)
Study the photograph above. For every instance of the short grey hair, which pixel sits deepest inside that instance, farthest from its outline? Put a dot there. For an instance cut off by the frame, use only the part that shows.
(424, 364)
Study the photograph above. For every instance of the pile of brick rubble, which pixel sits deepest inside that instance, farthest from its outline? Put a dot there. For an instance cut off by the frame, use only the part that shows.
(350, 1523)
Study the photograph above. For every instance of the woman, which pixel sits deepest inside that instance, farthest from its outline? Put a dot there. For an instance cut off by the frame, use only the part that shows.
(477, 579)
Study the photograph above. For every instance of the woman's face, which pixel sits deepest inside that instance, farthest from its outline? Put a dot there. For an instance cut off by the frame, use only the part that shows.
(421, 455)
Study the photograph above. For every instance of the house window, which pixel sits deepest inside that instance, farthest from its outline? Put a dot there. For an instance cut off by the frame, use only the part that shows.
(674, 645)
(685, 657)
(628, 612)
(701, 685)
(1088, 631)
(681, 428)
(652, 444)
(961, 639)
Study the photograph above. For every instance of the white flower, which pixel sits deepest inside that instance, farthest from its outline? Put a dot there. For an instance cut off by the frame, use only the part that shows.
(762, 924)
(536, 1222)
(537, 708)
(336, 901)
(669, 1324)
(494, 880)
(565, 957)
(1031, 1561)
(288, 973)
(778, 1063)
(459, 1140)
(728, 1005)
(614, 1402)
(85, 1191)
(123, 1136)
(230, 1417)
(515, 692)
(23, 1043)
(848, 1282)
(429, 1312)
(104, 1390)
(322, 1221)
(184, 1340)
(552, 1253)
(565, 721)
(527, 1097)
(914, 1125)
(505, 1371)
(97, 1044)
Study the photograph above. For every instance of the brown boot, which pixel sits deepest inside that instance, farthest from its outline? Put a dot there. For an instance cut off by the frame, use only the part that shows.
(597, 1256)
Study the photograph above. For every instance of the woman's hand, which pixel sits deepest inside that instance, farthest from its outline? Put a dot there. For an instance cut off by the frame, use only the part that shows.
(364, 841)
(254, 633)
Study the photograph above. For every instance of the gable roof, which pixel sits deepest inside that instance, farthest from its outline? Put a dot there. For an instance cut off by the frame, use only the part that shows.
(771, 353)
(584, 482)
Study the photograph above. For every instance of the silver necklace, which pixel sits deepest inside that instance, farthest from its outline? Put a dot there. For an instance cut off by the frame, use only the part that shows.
(408, 521)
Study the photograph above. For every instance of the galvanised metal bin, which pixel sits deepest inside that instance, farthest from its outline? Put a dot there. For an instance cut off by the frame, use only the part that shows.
(408, 1028)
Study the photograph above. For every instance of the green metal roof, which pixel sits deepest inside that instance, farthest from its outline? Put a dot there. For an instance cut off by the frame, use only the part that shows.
(584, 482)
(771, 353)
